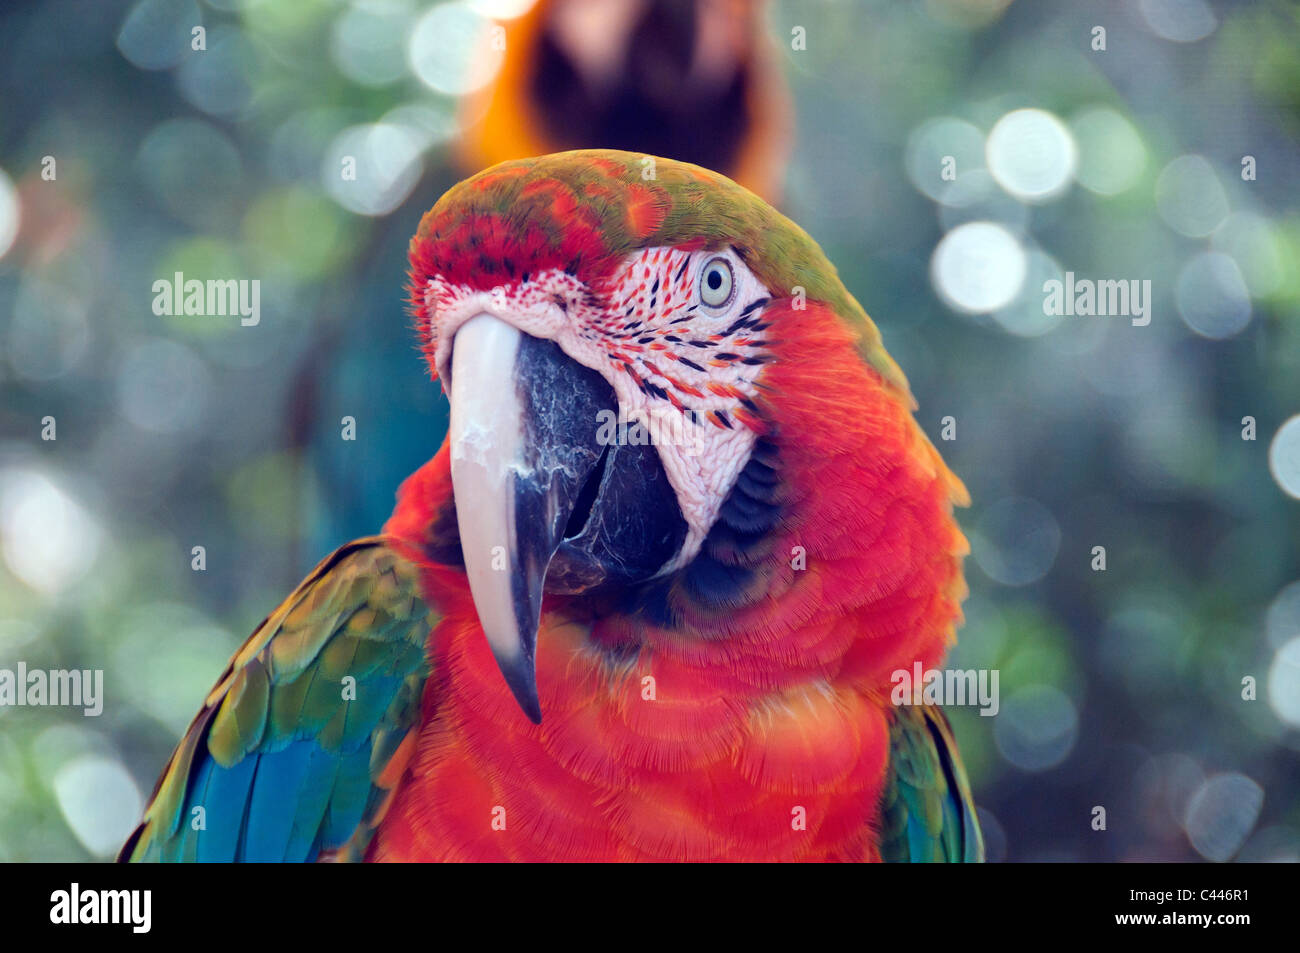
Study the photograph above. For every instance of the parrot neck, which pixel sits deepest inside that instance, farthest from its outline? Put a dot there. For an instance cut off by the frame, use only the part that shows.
(859, 575)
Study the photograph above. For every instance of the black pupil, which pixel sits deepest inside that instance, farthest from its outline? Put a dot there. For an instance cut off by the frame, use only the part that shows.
(715, 279)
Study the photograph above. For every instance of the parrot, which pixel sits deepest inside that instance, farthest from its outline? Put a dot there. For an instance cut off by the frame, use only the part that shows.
(696, 80)
(647, 601)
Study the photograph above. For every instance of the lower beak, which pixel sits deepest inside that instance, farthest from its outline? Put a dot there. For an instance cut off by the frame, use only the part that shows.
(524, 420)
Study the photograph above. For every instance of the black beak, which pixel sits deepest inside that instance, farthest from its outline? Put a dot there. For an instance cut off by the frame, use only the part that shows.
(525, 421)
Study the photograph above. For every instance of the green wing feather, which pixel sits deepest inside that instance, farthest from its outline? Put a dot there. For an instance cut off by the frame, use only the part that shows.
(300, 744)
(927, 813)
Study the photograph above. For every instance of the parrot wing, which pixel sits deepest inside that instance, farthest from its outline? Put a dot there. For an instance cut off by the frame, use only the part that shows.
(302, 742)
(927, 813)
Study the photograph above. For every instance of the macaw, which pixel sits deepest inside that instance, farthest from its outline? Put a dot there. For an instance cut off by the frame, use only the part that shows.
(647, 600)
(695, 80)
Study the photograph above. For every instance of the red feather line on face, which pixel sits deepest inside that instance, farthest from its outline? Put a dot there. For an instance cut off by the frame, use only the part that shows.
(580, 212)
(481, 232)
(649, 329)
(477, 245)
(510, 224)
(585, 211)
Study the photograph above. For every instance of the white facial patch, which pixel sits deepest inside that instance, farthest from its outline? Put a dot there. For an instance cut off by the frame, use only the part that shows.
(679, 336)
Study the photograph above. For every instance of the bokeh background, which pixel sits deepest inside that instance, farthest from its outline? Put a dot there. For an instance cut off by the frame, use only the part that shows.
(1120, 688)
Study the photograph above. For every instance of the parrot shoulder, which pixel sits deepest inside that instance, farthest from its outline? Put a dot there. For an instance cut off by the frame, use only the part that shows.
(299, 747)
(927, 813)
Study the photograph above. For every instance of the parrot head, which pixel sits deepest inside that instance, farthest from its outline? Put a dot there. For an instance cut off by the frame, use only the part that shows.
(650, 372)
(698, 80)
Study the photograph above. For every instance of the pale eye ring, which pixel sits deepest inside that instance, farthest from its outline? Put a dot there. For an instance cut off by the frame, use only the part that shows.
(717, 282)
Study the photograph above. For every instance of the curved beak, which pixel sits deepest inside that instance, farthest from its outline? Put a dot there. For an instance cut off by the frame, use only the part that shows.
(523, 435)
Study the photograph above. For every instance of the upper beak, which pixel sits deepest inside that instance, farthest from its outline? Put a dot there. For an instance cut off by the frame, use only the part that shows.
(524, 420)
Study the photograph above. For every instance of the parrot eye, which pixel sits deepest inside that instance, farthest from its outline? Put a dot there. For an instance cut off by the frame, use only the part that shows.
(716, 282)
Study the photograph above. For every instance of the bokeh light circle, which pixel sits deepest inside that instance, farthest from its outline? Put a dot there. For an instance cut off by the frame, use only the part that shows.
(1212, 296)
(1016, 541)
(1031, 154)
(1252, 242)
(1190, 197)
(978, 267)
(9, 215)
(1221, 815)
(163, 386)
(369, 39)
(370, 169)
(502, 9)
(450, 52)
(49, 332)
(1284, 683)
(1284, 457)
(1036, 728)
(1282, 620)
(49, 540)
(194, 169)
(1180, 21)
(1111, 154)
(157, 33)
(99, 800)
(929, 147)
(221, 79)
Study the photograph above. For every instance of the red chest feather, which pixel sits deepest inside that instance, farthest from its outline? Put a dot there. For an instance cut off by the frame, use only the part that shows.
(756, 731)
(639, 763)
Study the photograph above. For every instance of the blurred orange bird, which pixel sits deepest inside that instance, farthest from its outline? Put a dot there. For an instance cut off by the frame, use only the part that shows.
(695, 81)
